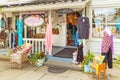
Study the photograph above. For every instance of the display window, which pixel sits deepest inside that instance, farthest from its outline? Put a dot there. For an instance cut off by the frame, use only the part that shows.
(105, 17)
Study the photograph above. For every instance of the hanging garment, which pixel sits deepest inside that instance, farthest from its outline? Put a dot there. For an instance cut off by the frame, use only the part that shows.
(107, 48)
(74, 29)
(80, 41)
(20, 30)
(16, 40)
(2, 23)
(20, 41)
(76, 40)
(49, 39)
(83, 28)
(19, 26)
(80, 53)
(69, 28)
(107, 42)
(12, 40)
(108, 58)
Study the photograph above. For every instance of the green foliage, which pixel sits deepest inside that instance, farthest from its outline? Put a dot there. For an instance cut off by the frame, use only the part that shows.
(37, 55)
(118, 60)
(46, 58)
(117, 63)
(87, 58)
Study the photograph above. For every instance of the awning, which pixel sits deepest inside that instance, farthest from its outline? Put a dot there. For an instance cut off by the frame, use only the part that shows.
(77, 4)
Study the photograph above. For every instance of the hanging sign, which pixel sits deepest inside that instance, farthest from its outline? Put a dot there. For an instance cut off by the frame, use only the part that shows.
(64, 11)
(34, 21)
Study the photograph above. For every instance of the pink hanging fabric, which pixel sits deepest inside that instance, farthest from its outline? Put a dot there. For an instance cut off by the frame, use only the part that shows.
(49, 40)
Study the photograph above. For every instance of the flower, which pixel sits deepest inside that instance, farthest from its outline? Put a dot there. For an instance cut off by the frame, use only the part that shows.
(42, 55)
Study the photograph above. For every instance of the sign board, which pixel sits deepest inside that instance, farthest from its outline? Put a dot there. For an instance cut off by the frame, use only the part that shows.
(64, 11)
(34, 21)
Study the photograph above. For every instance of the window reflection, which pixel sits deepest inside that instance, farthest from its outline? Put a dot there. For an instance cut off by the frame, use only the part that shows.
(103, 17)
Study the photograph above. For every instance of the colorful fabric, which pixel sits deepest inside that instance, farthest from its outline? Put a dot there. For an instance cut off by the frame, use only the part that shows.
(107, 42)
(20, 41)
(111, 47)
(49, 40)
(108, 58)
(20, 26)
(20, 31)
(74, 32)
(76, 40)
(80, 53)
(2, 23)
(80, 41)
(18, 53)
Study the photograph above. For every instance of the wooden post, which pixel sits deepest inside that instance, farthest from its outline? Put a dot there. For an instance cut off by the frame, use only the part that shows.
(25, 31)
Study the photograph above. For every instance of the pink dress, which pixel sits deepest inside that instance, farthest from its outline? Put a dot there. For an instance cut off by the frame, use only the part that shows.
(49, 40)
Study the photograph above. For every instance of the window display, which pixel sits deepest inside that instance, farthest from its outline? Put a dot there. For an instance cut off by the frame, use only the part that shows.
(105, 17)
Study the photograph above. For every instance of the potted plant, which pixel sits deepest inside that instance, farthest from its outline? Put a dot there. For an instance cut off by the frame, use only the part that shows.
(86, 62)
(38, 58)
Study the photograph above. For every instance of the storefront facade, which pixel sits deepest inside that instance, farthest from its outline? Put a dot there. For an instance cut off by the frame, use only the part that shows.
(50, 10)
(101, 13)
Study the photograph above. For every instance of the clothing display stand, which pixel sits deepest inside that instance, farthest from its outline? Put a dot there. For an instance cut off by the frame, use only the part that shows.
(107, 41)
(83, 34)
(85, 49)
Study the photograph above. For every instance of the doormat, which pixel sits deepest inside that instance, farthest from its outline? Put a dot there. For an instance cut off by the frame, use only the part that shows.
(65, 53)
(56, 69)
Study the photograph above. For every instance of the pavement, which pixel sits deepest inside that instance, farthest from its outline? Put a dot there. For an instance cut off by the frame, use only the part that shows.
(32, 72)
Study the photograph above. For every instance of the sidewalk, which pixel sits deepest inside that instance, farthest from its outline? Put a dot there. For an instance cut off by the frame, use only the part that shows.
(31, 72)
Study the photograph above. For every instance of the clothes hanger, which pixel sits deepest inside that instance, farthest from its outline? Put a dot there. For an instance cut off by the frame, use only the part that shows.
(108, 30)
(83, 15)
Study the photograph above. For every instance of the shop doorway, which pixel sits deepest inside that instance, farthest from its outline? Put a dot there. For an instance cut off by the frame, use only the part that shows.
(72, 21)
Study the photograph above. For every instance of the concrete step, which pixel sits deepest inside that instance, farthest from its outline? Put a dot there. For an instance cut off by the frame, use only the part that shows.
(50, 57)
